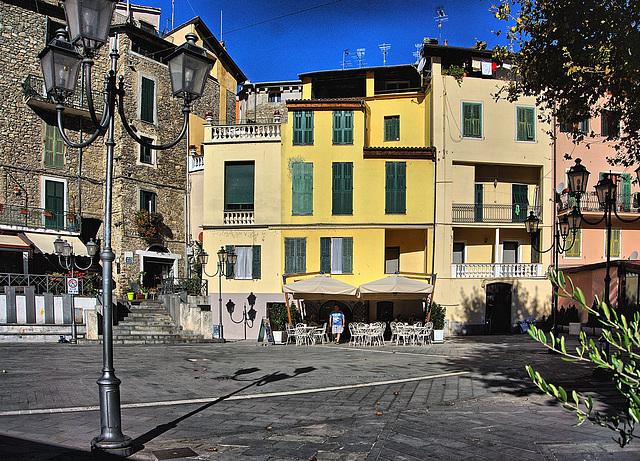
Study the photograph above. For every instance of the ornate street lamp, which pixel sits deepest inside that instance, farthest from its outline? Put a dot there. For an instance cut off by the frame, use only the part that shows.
(226, 265)
(578, 177)
(62, 248)
(88, 22)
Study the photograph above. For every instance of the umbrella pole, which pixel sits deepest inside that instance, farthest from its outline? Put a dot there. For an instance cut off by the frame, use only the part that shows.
(286, 299)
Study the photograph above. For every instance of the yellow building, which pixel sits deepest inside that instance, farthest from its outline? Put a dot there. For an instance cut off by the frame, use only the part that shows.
(346, 187)
(493, 168)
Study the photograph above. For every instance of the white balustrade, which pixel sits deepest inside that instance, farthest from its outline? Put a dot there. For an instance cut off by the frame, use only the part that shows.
(519, 270)
(238, 218)
(253, 132)
(196, 162)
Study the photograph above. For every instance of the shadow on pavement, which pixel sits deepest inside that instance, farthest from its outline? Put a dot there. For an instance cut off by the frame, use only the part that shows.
(17, 449)
(138, 442)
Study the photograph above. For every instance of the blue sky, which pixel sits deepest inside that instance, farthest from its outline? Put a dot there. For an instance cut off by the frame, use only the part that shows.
(314, 39)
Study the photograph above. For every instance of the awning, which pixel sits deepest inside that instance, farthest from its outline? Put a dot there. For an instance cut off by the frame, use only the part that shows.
(395, 287)
(319, 287)
(44, 243)
(13, 242)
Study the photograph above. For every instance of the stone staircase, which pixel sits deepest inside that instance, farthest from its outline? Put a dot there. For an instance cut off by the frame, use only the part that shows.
(149, 322)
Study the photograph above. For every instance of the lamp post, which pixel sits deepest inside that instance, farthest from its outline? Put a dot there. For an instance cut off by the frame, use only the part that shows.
(226, 265)
(89, 22)
(562, 229)
(606, 188)
(62, 248)
(247, 317)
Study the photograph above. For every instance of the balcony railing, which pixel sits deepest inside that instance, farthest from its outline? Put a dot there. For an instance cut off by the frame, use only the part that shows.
(519, 270)
(589, 203)
(56, 284)
(38, 218)
(33, 88)
(470, 213)
(196, 163)
(238, 218)
(191, 286)
(252, 132)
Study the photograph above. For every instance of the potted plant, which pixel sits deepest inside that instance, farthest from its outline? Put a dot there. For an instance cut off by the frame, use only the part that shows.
(146, 223)
(279, 318)
(208, 117)
(24, 211)
(456, 72)
(437, 315)
(47, 213)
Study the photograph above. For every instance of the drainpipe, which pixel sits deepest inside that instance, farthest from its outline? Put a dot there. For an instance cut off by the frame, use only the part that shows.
(187, 211)
(435, 174)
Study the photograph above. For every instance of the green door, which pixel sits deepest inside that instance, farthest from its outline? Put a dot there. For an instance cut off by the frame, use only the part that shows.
(54, 202)
(478, 203)
(519, 202)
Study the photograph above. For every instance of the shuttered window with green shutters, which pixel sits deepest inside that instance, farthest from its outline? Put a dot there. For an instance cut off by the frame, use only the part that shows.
(471, 120)
(248, 262)
(303, 127)
(526, 124)
(392, 128)
(239, 185)
(342, 197)
(302, 188)
(147, 100)
(53, 147)
(615, 244)
(396, 188)
(295, 255)
(573, 244)
(54, 202)
(336, 255)
(343, 127)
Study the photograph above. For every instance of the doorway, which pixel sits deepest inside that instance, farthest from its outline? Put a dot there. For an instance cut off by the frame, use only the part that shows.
(327, 308)
(385, 314)
(157, 270)
(498, 310)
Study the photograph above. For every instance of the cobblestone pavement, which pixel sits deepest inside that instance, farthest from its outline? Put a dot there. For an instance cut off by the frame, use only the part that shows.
(469, 398)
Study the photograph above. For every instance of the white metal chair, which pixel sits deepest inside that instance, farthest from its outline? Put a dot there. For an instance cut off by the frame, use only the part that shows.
(291, 334)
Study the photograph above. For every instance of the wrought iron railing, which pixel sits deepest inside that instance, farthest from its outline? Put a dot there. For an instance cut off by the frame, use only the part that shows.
(191, 286)
(33, 87)
(56, 284)
(518, 270)
(38, 218)
(469, 213)
(626, 203)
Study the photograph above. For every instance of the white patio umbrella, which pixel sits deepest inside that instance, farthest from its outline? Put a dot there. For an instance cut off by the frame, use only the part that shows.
(395, 287)
(320, 287)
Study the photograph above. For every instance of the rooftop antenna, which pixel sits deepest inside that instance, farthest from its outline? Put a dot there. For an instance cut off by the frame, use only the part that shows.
(221, 26)
(385, 47)
(172, 11)
(345, 53)
(359, 55)
(441, 17)
(416, 53)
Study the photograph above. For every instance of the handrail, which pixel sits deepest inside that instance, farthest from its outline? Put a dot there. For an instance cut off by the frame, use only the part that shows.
(39, 218)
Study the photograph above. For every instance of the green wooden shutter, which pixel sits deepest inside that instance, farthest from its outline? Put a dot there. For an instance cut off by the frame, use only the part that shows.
(239, 185)
(347, 255)
(336, 188)
(308, 127)
(289, 245)
(337, 127)
(229, 269)
(477, 120)
(348, 127)
(467, 129)
(342, 199)
(530, 123)
(147, 100)
(395, 193)
(54, 201)
(297, 128)
(255, 262)
(522, 129)
(325, 255)
(301, 255)
(302, 188)
(520, 202)
(478, 202)
(626, 191)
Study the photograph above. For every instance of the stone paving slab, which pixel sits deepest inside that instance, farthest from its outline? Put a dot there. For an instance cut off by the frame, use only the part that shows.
(469, 398)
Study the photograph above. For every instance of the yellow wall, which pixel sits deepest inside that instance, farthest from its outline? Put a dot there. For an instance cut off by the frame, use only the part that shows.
(413, 111)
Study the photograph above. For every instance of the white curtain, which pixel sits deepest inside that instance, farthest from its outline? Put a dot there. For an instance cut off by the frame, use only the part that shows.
(243, 263)
(336, 255)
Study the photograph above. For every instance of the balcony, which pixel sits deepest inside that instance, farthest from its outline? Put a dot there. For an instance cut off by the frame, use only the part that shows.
(476, 213)
(252, 132)
(518, 270)
(196, 163)
(35, 95)
(589, 203)
(238, 218)
(21, 217)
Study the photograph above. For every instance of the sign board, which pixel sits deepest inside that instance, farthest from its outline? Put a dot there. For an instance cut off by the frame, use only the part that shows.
(216, 331)
(128, 257)
(265, 335)
(72, 286)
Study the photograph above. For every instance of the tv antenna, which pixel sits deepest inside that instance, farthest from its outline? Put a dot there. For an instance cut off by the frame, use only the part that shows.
(385, 47)
(345, 53)
(359, 55)
(416, 53)
(440, 18)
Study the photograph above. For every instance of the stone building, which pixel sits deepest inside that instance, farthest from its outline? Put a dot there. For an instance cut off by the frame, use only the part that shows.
(266, 102)
(61, 189)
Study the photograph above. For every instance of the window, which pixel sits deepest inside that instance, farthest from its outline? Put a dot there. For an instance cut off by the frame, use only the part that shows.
(275, 96)
(458, 253)
(392, 128)
(396, 188)
(583, 126)
(573, 244)
(510, 252)
(147, 99)
(295, 255)
(302, 188)
(148, 201)
(391, 260)
(342, 197)
(53, 147)
(54, 202)
(247, 262)
(614, 249)
(343, 127)
(303, 127)
(146, 154)
(238, 185)
(519, 202)
(471, 120)
(525, 124)
(336, 255)
(609, 126)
